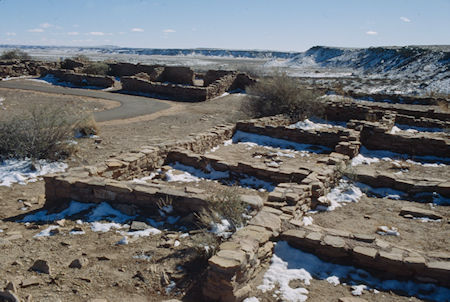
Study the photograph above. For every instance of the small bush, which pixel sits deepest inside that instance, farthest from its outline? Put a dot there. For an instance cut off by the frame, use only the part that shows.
(15, 54)
(86, 126)
(281, 94)
(97, 68)
(44, 132)
(81, 58)
(224, 204)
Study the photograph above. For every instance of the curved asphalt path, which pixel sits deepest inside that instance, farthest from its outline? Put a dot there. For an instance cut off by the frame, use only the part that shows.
(130, 105)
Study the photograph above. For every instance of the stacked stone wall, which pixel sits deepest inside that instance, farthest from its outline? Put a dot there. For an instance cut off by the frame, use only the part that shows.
(81, 79)
(377, 256)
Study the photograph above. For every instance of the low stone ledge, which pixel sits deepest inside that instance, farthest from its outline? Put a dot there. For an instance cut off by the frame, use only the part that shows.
(385, 260)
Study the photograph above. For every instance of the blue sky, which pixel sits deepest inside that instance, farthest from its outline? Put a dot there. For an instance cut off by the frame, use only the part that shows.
(235, 24)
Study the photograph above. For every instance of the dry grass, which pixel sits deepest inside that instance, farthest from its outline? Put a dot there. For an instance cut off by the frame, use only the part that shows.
(281, 94)
(15, 54)
(96, 68)
(42, 132)
(224, 204)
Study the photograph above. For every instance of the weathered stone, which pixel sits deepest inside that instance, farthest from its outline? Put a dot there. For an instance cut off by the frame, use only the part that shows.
(193, 190)
(364, 237)
(30, 282)
(41, 266)
(418, 212)
(254, 201)
(138, 226)
(268, 220)
(11, 286)
(352, 299)
(7, 296)
(79, 263)
(276, 196)
(334, 241)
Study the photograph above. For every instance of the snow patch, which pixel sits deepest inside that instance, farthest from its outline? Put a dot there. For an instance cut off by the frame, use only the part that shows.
(263, 140)
(315, 124)
(344, 192)
(47, 232)
(289, 264)
(21, 172)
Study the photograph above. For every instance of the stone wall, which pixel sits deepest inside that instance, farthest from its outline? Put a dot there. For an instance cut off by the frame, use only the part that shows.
(325, 137)
(81, 185)
(175, 91)
(177, 75)
(240, 259)
(16, 68)
(129, 69)
(377, 256)
(338, 110)
(379, 138)
(80, 79)
(213, 75)
(157, 73)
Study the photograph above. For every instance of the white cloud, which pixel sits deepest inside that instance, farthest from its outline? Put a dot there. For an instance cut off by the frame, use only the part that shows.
(46, 25)
(371, 33)
(10, 34)
(97, 33)
(404, 19)
(137, 30)
(36, 30)
(166, 31)
(73, 33)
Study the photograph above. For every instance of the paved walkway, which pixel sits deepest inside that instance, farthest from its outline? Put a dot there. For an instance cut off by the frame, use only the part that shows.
(130, 106)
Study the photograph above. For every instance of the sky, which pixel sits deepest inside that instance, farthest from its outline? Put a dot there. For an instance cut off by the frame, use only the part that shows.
(289, 25)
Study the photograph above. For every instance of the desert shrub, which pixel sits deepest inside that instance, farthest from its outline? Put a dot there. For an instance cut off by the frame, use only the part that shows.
(81, 58)
(281, 94)
(97, 68)
(43, 132)
(85, 126)
(223, 204)
(15, 54)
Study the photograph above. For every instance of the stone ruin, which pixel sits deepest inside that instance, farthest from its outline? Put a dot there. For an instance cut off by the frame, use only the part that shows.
(299, 187)
(173, 82)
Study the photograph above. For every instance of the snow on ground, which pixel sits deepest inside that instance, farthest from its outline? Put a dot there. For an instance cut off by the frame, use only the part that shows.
(307, 220)
(427, 197)
(263, 140)
(74, 208)
(2, 106)
(191, 174)
(251, 299)
(367, 156)
(51, 79)
(21, 172)
(315, 124)
(50, 231)
(344, 192)
(413, 129)
(222, 229)
(385, 230)
(289, 264)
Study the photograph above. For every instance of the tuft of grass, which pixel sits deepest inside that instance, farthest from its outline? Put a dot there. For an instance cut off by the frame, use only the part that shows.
(97, 68)
(43, 132)
(86, 126)
(15, 54)
(223, 204)
(281, 94)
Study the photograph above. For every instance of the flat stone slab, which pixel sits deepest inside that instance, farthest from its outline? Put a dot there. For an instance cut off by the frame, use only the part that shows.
(418, 212)
(267, 220)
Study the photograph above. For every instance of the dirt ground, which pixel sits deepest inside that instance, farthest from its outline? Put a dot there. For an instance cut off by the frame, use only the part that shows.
(142, 270)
